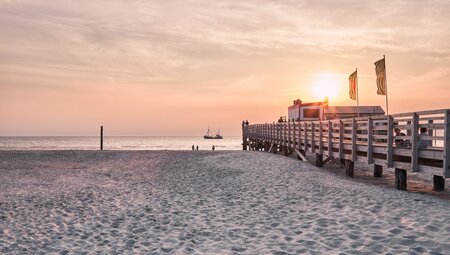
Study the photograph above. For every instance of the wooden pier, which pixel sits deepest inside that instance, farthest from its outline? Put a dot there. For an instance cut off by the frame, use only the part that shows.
(368, 139)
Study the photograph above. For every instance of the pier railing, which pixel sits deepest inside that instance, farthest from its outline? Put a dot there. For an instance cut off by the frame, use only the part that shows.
(367, 139)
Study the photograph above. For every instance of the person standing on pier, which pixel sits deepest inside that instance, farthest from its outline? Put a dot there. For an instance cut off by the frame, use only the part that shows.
(423, 142)
(401, 143)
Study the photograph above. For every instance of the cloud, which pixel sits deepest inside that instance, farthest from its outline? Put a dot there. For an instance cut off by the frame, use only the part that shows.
(214, 49)
(178, 36)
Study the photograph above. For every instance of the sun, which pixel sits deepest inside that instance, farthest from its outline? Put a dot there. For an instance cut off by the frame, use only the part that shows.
(325, 84)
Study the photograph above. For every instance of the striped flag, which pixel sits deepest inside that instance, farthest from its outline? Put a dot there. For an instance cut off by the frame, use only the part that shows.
(352, 85)
(380, 70)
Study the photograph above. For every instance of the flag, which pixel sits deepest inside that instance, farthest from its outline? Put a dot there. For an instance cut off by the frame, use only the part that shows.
(352, 85)
(380, 70)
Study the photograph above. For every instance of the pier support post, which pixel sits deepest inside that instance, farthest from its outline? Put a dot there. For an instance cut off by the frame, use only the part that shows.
(400, 179)
(101, 138)
(266, 146)
(438, 183)
(342, 160)
(349, 168)
(285, 151)
(319, 160)
(377, 171)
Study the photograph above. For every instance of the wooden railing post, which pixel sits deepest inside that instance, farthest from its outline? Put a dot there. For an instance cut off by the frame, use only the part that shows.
(277, 127)
(370, 141)
(259, 132)
(280, 142)
(408, 131)
(282, 133)
(341, 139)
(265, 132)
(305, 137)
(269, 134)
(415, 143)
(313, 130)
(293, 135)
(289, 135)
(390, 141)
(244, 136)
(430, 133)
(446, 169)
(272, 132)
(299, 147)
(320, 138)
(330, 139)
(354, 130)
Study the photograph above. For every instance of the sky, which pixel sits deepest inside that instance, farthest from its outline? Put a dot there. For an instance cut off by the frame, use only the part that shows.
(177, 67)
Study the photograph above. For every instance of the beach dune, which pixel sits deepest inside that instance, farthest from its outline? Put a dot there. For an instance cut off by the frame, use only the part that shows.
(204, 202)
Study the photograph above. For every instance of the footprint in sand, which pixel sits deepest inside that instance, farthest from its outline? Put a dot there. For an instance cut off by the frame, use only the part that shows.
(395, 231)
(432, 228)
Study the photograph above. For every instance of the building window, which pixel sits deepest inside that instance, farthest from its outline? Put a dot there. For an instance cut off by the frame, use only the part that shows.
(311, 113)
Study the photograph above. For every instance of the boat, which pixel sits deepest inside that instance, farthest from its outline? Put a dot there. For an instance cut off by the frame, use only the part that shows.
(209, 136)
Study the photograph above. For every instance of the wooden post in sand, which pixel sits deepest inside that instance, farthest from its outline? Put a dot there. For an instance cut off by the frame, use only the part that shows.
(101, 138)
(438, 183)
(319, 160)
(400, 179)
(378, 171)
(349, 168)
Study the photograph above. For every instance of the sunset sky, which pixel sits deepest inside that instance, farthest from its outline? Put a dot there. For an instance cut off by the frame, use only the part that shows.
(177, 67)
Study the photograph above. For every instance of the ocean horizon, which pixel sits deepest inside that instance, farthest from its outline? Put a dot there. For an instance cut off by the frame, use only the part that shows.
(118, 143)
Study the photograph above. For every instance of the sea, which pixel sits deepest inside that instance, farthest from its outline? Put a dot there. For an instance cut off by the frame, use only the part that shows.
(118, 143)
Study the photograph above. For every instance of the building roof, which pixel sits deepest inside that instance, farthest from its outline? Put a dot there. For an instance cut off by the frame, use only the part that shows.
(297, 105)
(353, 109)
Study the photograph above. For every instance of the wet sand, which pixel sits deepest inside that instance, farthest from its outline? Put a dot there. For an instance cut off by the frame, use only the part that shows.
(204, 202)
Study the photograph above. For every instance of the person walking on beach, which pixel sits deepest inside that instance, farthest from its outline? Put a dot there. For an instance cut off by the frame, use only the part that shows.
(213, 148)
(197, 147)
(192, 147)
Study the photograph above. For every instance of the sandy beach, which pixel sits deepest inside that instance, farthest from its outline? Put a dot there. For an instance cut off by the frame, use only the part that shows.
(204, 202)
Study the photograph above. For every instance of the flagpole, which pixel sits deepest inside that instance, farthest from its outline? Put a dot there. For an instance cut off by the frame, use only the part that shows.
(357, 93)
(385, 82)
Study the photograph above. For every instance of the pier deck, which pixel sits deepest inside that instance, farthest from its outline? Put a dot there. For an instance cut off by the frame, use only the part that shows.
(368, 139)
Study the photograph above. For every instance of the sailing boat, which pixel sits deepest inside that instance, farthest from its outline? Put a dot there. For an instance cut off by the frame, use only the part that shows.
(209, 136)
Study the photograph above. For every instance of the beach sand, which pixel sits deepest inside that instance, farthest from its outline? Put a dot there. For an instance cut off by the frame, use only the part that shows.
(204, 202)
